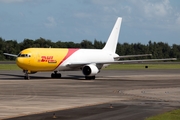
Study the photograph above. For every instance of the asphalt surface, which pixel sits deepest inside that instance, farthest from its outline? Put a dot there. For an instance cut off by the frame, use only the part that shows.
(114, 95)
(14, 62)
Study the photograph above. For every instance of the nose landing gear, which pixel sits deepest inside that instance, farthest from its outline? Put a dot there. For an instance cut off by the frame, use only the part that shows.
(26, 76)
(56, 75)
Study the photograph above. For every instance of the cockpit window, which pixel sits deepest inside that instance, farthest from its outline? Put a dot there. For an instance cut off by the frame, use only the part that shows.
(24, 55)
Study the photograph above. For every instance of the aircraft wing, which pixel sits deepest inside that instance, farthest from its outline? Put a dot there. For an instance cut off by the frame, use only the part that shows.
(81, 64)
(13, 55)
(128, 56)
(139, 61)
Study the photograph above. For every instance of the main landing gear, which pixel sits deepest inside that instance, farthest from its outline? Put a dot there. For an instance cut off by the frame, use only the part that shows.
(56, 75)
(90, 77)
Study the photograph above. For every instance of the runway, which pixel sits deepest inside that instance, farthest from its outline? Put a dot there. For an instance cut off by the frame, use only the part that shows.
(114, 95)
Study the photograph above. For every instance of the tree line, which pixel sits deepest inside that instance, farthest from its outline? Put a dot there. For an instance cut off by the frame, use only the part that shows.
(157, 49)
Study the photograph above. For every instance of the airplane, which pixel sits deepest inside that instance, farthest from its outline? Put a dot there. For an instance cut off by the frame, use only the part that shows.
(89, 61)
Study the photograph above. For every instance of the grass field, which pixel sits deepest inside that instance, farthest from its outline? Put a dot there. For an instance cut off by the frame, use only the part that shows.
(113, 67)
(9, 67)
(172, 115)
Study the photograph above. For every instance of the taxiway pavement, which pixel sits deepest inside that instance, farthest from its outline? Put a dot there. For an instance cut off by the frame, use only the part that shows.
(115, 94)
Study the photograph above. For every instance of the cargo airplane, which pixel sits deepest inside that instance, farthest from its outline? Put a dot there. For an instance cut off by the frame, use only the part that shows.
(89, 61)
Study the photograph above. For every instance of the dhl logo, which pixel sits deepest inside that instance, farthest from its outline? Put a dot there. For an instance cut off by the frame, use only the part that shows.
(48, 59)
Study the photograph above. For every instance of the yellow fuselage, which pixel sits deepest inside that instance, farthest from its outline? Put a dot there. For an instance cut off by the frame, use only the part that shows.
(42, 59)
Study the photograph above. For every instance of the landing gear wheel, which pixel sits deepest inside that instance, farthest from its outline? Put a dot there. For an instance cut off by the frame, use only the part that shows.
(26, 77)
(90, 77)
(52, 75)
(56, 75)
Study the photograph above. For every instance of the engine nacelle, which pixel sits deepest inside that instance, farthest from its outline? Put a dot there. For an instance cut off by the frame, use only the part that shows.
(90, 70)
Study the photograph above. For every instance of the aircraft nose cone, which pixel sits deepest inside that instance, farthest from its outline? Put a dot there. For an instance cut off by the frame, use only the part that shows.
(19, 62)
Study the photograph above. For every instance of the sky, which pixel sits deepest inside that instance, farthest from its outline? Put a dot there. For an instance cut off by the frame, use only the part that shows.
(77, 20)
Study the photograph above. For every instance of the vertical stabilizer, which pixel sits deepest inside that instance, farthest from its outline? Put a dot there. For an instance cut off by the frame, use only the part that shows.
(111, 43)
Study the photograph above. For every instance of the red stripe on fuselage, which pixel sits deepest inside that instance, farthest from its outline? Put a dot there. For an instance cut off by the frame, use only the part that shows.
(70, 52)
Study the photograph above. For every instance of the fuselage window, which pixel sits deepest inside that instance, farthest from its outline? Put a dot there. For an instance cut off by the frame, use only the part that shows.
(24, 55)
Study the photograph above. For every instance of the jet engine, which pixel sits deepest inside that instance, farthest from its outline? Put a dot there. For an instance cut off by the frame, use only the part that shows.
(90, 70)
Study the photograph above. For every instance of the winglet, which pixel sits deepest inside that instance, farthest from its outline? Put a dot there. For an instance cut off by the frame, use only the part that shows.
(113, 38)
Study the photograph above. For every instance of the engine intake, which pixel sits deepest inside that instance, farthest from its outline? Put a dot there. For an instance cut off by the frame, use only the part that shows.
(90, 70)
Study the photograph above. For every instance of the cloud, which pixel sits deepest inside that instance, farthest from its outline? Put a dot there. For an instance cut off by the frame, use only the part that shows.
(147, 8)
(51, 22)
(160, 9)
(13, 1)
(178, 21)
